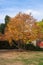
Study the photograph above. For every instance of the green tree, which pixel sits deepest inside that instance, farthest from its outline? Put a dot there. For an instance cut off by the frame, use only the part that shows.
(7, 18)
(2, 27)
(40, 24)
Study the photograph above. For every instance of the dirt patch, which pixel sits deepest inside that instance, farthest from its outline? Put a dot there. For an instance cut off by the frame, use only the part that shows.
(15, 63)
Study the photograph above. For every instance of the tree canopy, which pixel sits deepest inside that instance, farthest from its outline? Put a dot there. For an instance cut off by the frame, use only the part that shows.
(22, 27)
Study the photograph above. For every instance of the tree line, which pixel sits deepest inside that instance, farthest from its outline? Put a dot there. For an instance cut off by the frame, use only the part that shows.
(21, 29)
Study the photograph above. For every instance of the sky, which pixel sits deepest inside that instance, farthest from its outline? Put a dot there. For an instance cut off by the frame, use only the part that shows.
(13, 7)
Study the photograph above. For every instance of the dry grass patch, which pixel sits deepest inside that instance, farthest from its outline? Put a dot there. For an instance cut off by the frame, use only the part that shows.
(21, 58)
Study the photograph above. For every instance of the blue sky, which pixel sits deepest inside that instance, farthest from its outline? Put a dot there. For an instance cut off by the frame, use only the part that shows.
(12, 7)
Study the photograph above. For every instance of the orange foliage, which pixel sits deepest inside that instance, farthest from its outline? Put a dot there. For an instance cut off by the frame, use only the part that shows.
(20, 27)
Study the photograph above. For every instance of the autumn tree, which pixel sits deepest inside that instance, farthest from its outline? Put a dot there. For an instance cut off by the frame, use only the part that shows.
(20, 28)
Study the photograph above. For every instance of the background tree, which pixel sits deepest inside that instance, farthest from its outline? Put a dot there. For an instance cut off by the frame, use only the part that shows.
(7, 18)
(40, 34)
(2, 28)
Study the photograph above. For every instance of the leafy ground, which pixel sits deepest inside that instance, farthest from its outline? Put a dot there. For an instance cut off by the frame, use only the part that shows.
(12, 57)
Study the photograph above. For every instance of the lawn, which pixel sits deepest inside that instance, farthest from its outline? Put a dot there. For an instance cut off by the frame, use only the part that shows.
(12, 57)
